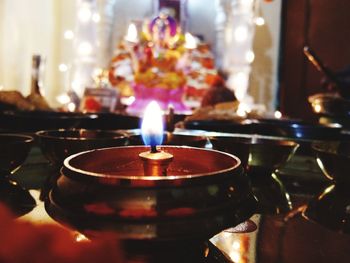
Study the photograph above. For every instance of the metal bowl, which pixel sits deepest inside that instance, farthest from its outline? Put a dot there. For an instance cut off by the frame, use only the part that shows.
(204, 192)
(32, 121)
(304, 133)
(328, 104)
(333, 157)
(288, 128)
(112, 121)
(14, 150)
(331, 208)
(219, 126)
(256, 152)
(261, 157)
(295, 129)
(56, 145)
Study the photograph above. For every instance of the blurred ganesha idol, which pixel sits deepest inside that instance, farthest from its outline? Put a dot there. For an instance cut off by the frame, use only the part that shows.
(162, 29)
(158, 64)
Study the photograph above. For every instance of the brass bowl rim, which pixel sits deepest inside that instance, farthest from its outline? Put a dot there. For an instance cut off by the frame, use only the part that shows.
(50, 115)
(260, 140)
(27, 138)
(66, 165)
(318, 147)
(45, 134)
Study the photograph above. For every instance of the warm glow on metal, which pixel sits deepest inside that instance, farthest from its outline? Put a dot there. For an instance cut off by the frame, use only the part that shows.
(190, 41)
(152, 125)
(318, 108)
(81, 238)
(326, 191)
(132, 35)
(324, 170)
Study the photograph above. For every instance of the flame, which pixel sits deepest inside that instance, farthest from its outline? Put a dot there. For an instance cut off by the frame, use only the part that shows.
(132, 35)
(152, 125)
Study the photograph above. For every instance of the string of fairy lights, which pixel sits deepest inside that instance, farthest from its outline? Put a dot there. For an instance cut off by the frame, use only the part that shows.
(79, 72)
(239, 19)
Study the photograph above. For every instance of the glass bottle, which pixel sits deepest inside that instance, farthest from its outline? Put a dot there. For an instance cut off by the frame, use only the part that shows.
(35, 87)
(35, 97)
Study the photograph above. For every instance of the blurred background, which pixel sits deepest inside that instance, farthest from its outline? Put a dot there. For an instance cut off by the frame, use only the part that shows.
(52, 28)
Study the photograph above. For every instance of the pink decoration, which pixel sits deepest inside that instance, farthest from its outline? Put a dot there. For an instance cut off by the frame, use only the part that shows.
(165, 98)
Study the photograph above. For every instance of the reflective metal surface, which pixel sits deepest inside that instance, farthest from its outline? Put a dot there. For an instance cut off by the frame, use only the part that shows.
(14, 151)
(56, 145)
(333, 157)
(204, 192)
(331, 208)
(293, 129)
(324, 104)
(284, 238)
(261, 158)
(32, 121)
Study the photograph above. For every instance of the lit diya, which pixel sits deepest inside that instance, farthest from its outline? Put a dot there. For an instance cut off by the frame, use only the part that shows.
(152, 192)
(155, 161)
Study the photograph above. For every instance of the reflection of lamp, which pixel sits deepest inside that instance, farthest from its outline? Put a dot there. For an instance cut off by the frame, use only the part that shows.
(84, 45)
(235, 25)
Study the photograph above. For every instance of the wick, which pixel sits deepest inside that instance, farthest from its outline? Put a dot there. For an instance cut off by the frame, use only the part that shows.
(154, 149)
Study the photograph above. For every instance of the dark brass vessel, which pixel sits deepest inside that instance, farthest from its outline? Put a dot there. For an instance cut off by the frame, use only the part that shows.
(261, 158)
(204, 192)
(332, 207)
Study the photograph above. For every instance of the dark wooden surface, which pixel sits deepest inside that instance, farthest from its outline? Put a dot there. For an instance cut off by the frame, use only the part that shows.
(325, 27)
